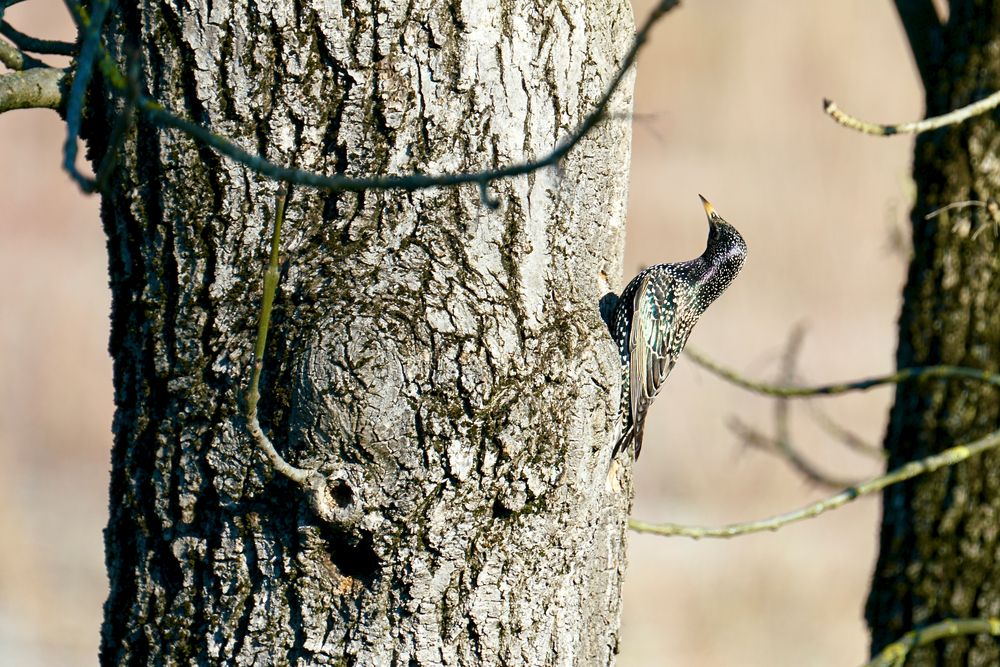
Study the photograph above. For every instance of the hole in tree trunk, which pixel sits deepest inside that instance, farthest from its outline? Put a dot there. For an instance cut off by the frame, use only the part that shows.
(354, 556)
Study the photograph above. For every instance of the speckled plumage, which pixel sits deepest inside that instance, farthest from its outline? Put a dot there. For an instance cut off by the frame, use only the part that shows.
(655, 315)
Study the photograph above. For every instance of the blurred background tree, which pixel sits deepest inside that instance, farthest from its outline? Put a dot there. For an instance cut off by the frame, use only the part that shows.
(939, 553)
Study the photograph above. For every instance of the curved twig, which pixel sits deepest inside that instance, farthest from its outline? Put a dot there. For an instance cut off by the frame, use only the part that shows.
(895, 653)
(783, 437)
(926, 125)
(991, 206)
(955, 205)
(158, 114)
(787, 391)
(781, 444)
(297, 475)
(90, 45)
(948, 457)
(35, 45)
(312, 482)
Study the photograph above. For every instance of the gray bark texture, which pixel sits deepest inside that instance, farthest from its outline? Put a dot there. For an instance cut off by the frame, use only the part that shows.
(444, 364)
(940, 539)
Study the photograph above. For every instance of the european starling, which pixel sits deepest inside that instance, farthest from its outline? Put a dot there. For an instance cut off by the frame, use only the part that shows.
(657, 311)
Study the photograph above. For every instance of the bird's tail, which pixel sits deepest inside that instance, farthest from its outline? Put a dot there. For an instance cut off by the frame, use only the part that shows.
(637, 437)
(623, 440)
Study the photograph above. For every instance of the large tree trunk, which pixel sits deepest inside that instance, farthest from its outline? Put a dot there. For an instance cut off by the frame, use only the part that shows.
(941, 533)
(446, 365)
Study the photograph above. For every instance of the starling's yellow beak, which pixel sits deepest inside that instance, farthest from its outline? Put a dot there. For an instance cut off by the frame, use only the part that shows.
(709, 209)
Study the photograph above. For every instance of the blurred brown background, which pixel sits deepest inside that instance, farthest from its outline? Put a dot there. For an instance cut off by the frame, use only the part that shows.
(728, 105)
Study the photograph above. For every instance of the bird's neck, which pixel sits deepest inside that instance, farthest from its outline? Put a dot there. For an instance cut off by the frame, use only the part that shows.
(712, 274)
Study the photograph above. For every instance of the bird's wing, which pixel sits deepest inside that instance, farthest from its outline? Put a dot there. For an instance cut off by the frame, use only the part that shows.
(650, 342)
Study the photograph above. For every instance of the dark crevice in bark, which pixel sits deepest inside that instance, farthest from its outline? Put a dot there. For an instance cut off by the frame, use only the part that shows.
(242, 624)
(353, 553)
(297, 651)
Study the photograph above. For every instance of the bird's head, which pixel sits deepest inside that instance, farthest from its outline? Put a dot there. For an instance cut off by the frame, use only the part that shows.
(725, 245)
(725, 253)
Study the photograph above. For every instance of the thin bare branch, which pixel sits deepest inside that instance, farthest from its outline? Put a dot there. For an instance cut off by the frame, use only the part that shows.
(90, 47)
(297, 475)
(781, 445)
(155, 112)
(951, 118)
(300, 476)
(948, 457)
(36, 88)
(34, 45)
(955, 205)
(894, 655)
(904, 375)
(783, 435)
(991, 206)
(846, 437)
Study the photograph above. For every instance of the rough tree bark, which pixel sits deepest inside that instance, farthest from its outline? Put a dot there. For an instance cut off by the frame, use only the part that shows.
(446, 365)
(940, 539)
